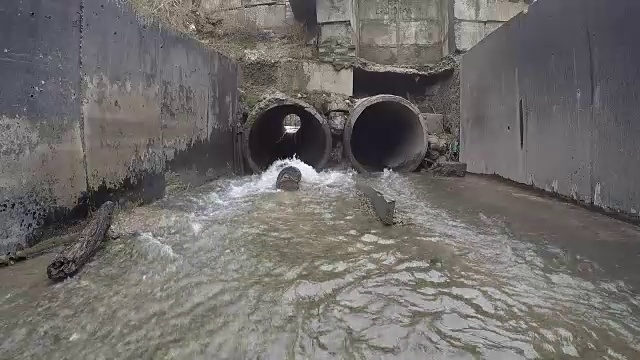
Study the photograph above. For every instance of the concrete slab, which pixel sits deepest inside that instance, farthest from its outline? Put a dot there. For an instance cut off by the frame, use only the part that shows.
(466, 10)
(324, 77)
(378, 33)
(420, 32)
(267, 16)
(419, 54)
(421, 9)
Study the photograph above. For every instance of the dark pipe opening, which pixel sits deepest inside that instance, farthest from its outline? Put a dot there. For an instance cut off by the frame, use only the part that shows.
(270, 140)
(370, 83)
(386, 134)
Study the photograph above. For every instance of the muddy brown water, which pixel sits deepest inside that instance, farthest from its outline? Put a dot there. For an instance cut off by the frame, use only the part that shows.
(237, 270)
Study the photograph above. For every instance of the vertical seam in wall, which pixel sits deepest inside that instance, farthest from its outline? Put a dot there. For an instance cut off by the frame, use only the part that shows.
(355, 7)
(397, 6)
(592, 86)
(82, 99)
(208, 138)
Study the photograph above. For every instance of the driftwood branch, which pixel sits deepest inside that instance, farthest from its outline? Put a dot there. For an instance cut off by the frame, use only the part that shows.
(73, 257)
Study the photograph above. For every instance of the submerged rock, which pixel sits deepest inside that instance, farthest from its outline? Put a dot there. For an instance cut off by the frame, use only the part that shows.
(450, 169)
(289, 179)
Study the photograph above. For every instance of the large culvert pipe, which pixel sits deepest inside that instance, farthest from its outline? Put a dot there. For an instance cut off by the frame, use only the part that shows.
(385, 131)
(265, 138)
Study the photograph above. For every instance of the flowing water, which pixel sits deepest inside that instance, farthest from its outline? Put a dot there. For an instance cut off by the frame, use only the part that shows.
(237, 270)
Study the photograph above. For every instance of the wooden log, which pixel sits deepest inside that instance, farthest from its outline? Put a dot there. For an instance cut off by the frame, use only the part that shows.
(289, 179)
(73, 257)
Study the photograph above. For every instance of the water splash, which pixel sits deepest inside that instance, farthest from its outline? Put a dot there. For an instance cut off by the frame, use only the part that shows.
(266, 181)
(153, 248)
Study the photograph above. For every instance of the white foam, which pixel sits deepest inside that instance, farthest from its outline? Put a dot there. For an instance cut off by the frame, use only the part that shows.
(266, 181)
(154, 248)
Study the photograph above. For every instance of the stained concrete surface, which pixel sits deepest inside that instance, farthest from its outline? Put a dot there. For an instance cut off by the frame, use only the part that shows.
(98, 103)
(551, 100)
(594, 245)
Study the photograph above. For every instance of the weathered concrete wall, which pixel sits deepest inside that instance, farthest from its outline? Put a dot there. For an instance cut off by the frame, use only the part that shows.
(550, 99)
(475, 19)
(96, 102)
(402, 31)
(41, 160)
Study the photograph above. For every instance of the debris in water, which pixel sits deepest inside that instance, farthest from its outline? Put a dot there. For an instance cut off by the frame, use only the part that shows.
(74, 256)
(382, 206)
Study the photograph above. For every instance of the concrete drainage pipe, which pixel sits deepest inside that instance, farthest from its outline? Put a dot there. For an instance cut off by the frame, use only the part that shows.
(385, 131)
(268, 134)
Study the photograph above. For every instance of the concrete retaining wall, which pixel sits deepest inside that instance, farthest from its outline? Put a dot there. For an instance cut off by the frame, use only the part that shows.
(402, 31)
(410, 32)
(550, 99)
(248, 16)
(95, 103)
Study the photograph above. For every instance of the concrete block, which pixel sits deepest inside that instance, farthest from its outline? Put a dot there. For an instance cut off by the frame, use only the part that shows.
(324, 77)
(499, 10)
(466, 10)
(333, 10)
(378, 33)
(267, 16)
(421, 9)
(468, 34)
(424, 32)
(219, 5)
(310, 76)
(336, 34)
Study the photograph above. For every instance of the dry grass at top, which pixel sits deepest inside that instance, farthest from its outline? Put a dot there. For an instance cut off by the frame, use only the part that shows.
(174, 13)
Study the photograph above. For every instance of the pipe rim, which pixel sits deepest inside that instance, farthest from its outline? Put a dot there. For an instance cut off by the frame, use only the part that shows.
(359, 108)
(276, 101)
